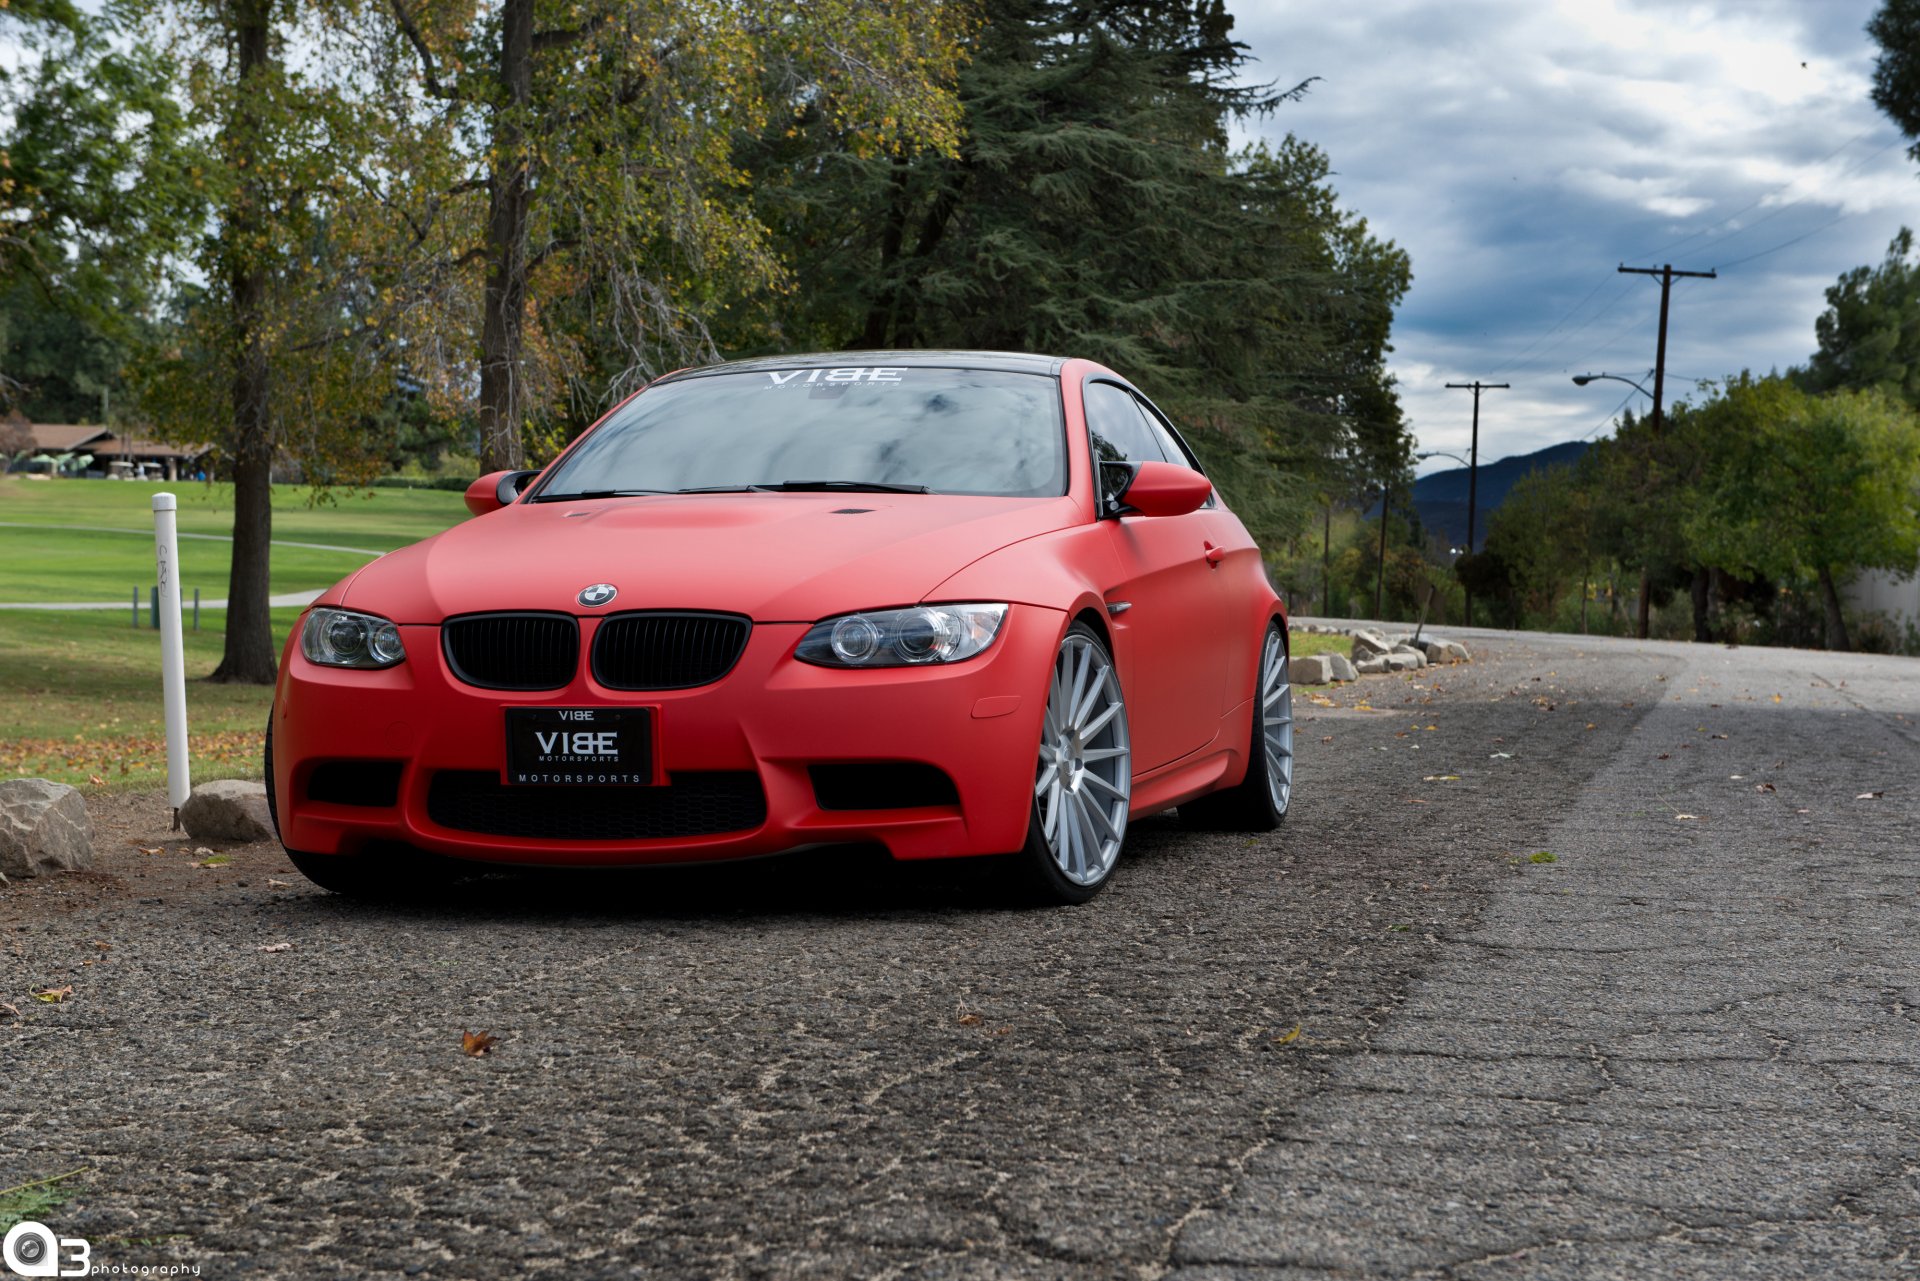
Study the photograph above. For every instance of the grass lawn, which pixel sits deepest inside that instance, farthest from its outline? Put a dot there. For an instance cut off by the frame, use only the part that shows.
(1307, 644)
(44, 562)
(80, 701)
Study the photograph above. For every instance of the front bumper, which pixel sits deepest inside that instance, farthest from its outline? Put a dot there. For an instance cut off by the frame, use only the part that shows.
(442, 746)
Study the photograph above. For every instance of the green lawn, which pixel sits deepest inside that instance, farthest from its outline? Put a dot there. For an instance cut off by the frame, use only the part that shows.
(43, 562)
(80, 701)
(80, 690)
(1307, 644)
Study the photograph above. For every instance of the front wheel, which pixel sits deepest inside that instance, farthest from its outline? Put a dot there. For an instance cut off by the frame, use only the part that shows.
(1260, 801)
(1083, 781)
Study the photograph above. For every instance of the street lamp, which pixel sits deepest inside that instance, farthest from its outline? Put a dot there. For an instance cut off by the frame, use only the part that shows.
(1441, 453)
(1581, 380)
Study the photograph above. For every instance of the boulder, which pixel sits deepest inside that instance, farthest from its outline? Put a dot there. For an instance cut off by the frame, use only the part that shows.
(1370, 644)
(1402, 660)
(43, 828)
(1419, 659)
(1342, 669)
(228, 810)
(1435, 650)
(1457, 653)
(1314, 669)
(1370, 666)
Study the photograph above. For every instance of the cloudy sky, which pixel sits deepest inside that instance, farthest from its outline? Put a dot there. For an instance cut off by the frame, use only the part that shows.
(1521, 150)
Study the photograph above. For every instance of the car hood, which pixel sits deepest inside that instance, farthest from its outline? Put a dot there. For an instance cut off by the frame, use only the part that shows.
(774, 557)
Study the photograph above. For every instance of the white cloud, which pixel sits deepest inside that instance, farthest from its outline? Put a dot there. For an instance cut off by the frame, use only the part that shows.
(1520, 151)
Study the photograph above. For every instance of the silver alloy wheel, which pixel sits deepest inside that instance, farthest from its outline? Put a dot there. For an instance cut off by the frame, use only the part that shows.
(1276, 714)
(1085, 775)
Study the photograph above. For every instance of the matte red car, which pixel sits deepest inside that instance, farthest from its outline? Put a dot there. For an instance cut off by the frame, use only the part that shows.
(949, 603)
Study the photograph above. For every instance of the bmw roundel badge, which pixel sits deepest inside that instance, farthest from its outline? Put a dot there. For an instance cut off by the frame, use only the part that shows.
(598, 594)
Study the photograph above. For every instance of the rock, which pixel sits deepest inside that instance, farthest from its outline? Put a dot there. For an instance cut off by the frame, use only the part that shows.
(1314, 669)
(1342, 669)
(1402, 660)
(1369, 644)
(228, 810)
(44, 827)
(1457, 652)
(1370, 666)
(1435, 650)
(1409, 652)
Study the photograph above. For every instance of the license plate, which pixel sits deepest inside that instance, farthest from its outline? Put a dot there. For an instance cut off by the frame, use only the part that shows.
(580, 746)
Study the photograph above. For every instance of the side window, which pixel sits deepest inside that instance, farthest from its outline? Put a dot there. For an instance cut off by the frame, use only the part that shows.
(1117, 429)
(1170, 445)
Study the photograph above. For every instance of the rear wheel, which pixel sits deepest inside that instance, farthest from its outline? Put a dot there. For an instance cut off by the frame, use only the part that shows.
(1083, 781)
(1259, 802)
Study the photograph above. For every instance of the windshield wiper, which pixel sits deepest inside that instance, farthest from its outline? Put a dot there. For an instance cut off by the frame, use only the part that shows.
(596, 493)
(852, 486)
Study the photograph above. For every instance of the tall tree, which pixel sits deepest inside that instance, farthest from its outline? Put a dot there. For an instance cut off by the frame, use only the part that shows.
(1813, 487)
(1896, 73)
(1095, 207)
(1869, 335)
(594, 208)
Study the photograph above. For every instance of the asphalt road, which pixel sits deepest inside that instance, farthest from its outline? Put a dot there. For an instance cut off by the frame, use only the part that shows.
(1384, 1042)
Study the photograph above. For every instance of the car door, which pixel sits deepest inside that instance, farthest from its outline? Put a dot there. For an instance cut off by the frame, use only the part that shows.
(1175, 607)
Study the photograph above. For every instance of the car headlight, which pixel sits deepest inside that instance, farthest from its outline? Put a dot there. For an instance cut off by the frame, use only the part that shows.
(920, 636)
(342, 638)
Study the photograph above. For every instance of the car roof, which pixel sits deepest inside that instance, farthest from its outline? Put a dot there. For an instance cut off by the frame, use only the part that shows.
(1009, 361)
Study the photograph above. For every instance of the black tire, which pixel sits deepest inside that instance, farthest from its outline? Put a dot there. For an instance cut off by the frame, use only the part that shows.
(1256, 804)
(1100, 767)
(273, 806)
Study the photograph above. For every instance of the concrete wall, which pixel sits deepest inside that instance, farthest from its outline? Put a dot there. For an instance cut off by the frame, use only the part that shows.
(1877, 590)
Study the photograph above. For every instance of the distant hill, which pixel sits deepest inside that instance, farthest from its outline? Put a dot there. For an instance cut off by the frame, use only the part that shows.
(1441, 498)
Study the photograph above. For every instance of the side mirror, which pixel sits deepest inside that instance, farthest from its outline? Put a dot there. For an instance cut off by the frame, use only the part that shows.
(495, 490)
(1162, 489)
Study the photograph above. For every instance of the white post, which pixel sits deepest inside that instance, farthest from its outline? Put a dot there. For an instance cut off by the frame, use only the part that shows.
(173, 661)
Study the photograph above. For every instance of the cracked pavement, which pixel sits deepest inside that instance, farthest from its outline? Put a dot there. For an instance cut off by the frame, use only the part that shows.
(1382, 1042)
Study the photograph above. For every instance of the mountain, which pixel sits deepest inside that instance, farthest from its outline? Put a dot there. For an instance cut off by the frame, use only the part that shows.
(1441, 498)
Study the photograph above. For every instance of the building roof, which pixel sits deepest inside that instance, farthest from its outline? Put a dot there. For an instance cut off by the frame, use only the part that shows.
(60, 438)
(116, 446)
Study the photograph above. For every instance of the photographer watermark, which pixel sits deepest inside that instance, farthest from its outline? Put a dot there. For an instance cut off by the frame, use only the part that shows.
(36, 1250)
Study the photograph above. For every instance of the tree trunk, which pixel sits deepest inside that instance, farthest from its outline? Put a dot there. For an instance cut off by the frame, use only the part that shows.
(248, 656)
(1836, 624)
(1702, 623)
(510, 195)
(1646, 598)
(880, 314)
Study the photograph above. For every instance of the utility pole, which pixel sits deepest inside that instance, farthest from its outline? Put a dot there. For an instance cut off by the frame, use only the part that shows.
(1326, 565)
(1473, 470)
(1667, 276)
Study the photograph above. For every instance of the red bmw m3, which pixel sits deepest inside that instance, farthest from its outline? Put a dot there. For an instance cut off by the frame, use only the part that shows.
(946, 603)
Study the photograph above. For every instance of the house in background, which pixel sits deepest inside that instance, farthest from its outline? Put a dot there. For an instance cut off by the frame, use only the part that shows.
(1876, 591)
(113, 454)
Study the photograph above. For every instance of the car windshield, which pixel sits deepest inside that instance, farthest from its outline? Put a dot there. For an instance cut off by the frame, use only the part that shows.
(910, 427)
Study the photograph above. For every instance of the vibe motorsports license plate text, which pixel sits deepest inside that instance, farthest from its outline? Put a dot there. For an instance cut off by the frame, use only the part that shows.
(580, 746)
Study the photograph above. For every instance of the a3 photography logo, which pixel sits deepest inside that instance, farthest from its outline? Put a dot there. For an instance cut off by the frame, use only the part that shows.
(33, 1250)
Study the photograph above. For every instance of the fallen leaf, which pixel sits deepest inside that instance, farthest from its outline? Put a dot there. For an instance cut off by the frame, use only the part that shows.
(12, 1011)
(1717, 736)
(1501, 756)
(1776, 698)
(282, 884)
(103, 945)
(1543, 857)
(1591, 725)
(475, 1044)
(201, 851)
(1441, 778)
(1803, 811)
(54, 995)
(151, 849)
(1681, 818)
(971, 1020)
(218, 860)
(1288, 1038)
(275, 947)
(1763, 787)
(1664, 756)
(1415, 801)
(1001, 1031)
(1869, 796)
(96, 780)
(1326, 738)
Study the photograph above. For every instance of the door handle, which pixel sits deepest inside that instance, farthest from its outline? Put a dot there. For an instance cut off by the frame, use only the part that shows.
(1215, 554)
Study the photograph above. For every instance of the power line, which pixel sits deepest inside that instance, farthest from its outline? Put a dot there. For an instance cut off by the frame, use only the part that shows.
(1796, 240)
